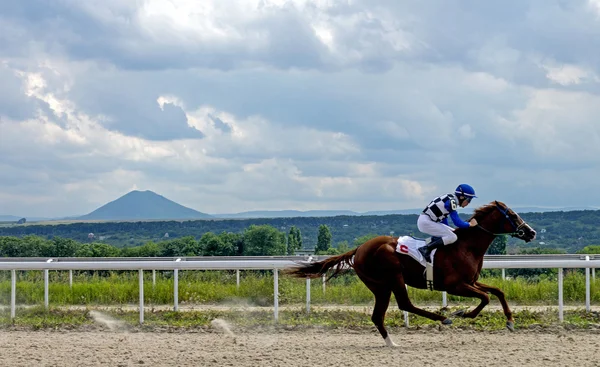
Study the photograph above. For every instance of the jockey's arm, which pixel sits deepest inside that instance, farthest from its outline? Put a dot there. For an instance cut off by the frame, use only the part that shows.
(455, 218)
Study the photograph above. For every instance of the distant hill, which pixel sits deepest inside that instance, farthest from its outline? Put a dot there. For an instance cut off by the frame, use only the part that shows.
(308, 213)
(14, 218)
(140, 205)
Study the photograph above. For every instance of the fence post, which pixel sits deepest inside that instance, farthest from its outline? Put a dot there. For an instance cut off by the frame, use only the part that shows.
(276, 294)
(237, 279)
(587, 286)
(560, 294)
(503, 274)
(444, 299)
(176, 288)
(307, 295)
(323, 283)
(71, 279)
(46, 286)
(406, 313)
(13, 293)
(141, 278)
(153, 278)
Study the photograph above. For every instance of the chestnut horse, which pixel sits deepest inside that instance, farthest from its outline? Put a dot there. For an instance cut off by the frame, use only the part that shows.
(456, 267)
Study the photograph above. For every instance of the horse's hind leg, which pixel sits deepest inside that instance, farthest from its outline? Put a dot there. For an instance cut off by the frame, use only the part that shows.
(382, 301)
(404, 303)
(510, 323)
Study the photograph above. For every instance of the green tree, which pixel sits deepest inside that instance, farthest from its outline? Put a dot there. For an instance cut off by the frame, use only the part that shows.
(183, 246)
(362, 239)
(323, 239)
(591, 249)
(264, 240)
(10, 246)
(63, 247)
(213, 245)
(498, 246)
(149, 249)
(294, 240)
(233, 242)
(97, 249)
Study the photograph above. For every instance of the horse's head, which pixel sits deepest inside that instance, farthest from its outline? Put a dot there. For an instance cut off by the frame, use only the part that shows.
(497, 218)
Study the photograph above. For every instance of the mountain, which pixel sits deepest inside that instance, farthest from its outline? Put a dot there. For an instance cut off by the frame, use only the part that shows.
(138, 205)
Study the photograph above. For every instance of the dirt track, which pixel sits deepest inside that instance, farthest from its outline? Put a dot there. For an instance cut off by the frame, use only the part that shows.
(299, 348)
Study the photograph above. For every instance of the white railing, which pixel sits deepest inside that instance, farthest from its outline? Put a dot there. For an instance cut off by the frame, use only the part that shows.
(267, 263)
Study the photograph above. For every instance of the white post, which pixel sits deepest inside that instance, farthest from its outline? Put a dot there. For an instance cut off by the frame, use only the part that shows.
(323, 283)
(444, 299)
(587, 286)
(46, 286)
(276, 294)
(141, 276)
(71, 279)
(503, 274)
(237, 279)
(46, 300)
(176, 288)
(13, 293)
(307, 295)
(406, 313)
(560, 294)
(153, 278)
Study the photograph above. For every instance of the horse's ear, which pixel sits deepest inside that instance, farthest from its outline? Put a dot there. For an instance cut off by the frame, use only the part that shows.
(496, 201)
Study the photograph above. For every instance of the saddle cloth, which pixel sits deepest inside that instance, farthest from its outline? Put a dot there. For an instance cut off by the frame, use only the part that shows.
(408, 245)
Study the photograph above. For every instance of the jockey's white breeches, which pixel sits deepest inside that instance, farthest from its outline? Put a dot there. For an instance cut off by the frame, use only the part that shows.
(438, 229)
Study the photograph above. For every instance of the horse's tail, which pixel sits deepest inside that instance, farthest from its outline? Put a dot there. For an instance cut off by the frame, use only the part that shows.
(319, 268)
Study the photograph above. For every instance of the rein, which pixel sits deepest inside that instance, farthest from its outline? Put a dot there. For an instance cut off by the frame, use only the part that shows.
(518, 231)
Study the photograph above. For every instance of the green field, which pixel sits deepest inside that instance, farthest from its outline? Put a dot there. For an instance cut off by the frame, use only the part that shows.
(116, 295)
(256, 288)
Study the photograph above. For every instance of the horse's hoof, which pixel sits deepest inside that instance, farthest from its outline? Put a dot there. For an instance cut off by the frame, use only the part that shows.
(447, 322)
(510, 325)
(459, 313)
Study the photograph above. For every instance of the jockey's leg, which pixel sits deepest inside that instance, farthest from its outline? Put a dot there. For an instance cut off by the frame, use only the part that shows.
(441, 235)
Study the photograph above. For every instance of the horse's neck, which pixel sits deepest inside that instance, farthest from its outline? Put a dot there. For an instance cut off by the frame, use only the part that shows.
(476, 241)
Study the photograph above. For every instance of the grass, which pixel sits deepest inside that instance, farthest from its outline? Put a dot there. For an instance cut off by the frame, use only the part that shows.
(256, 288)
(111, 291)
(63, 319)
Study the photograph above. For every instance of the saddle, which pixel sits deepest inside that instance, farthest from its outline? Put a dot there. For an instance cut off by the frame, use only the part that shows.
(409, 245)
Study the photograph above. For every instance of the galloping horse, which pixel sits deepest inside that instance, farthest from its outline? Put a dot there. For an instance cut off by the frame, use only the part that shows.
(456, 267)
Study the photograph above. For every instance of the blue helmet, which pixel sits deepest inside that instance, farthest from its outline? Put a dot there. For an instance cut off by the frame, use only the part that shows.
(465, 190)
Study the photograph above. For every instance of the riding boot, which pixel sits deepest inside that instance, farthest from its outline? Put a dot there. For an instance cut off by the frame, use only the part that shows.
(433, 244)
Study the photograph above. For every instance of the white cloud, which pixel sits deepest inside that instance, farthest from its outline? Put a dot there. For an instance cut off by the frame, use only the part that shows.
(569, 74)
(236, 105)
(559, 126)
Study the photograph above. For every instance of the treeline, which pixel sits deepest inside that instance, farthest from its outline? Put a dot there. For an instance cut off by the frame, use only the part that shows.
(256, 240)
(563, 231)
(126, 234)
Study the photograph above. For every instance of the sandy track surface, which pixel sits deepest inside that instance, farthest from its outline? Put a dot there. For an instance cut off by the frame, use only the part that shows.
(311, 347)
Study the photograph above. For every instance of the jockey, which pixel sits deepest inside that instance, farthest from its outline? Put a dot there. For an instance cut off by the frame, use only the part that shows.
(434, 219)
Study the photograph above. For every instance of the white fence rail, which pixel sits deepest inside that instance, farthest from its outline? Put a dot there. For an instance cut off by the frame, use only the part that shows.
(275, 264)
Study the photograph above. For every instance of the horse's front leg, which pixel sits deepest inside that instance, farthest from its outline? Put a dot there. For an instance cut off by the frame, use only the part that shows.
(510, 323)
(468, 290)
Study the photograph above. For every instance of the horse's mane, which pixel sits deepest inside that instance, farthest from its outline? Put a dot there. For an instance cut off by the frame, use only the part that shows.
(484, 210)
(480, 212)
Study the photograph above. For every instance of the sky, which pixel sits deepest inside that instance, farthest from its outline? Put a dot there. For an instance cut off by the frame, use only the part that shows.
(227, 106)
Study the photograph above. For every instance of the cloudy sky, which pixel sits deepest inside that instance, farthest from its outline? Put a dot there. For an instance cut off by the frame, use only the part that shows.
(233, 105)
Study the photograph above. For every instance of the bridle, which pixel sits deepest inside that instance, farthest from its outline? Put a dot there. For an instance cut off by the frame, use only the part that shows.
(518, 229)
